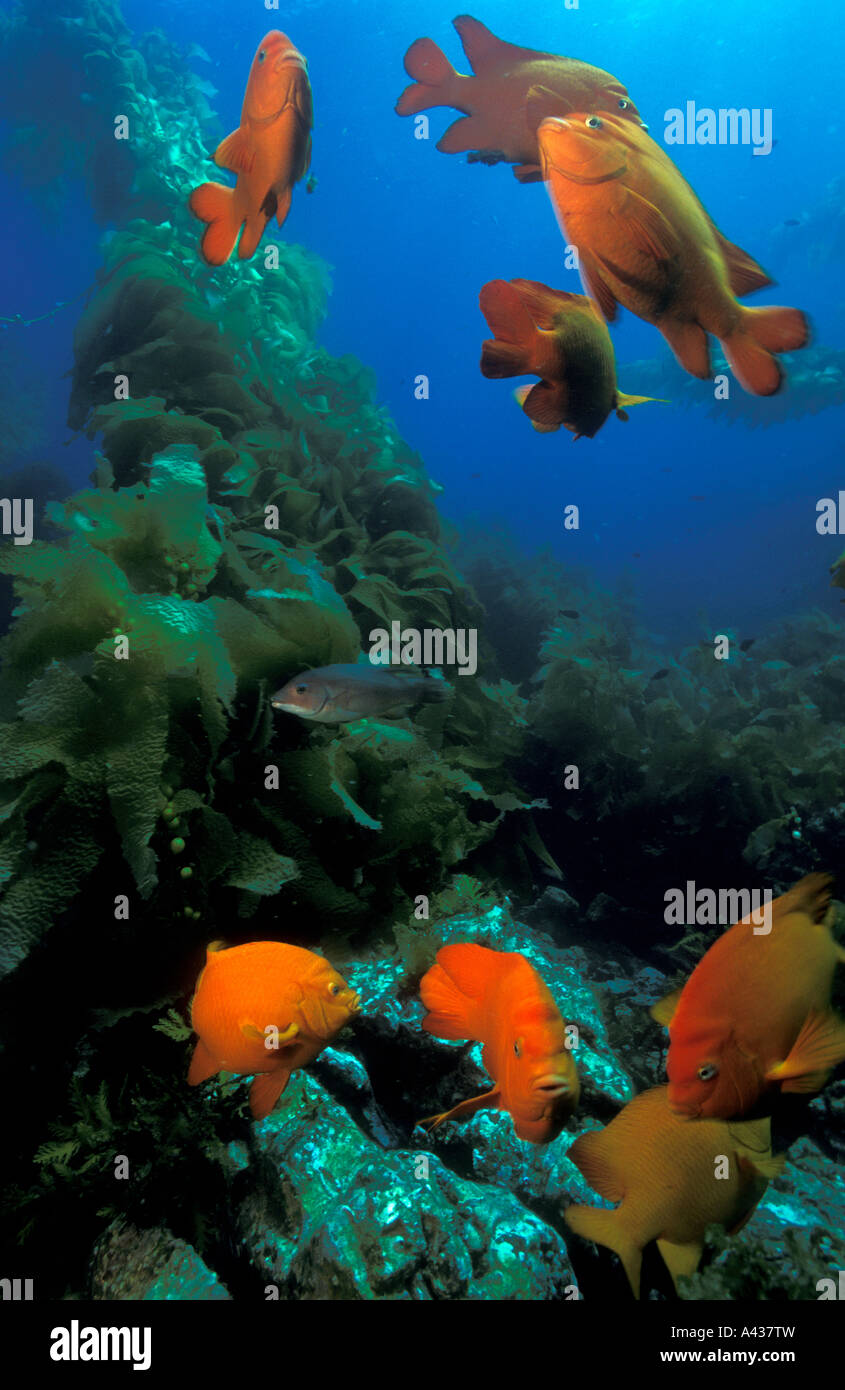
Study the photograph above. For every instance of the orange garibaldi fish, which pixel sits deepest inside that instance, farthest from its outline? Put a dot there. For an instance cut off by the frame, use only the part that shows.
(561, 338)
(755, 1013)
(266, 1008)
(645, 241)
(494, 126)
(673, 1178)
(270, 151)
(497, 998)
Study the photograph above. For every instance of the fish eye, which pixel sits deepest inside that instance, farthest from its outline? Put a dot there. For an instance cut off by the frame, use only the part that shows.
(301, 689)
(517, 1048)
(262, 55)
(593, 122)
(708, 1072)
(334, 989)
(623, 104)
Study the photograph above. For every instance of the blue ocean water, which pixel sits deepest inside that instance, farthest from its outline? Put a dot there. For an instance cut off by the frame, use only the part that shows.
(413, 234)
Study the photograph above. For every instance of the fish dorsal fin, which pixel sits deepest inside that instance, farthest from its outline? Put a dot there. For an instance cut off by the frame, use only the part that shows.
(486, 53)
(593, 1155)
(541, 103)
(235, 153)
(811, 895)
(544, 304)
(664, 1010)
(473, 968)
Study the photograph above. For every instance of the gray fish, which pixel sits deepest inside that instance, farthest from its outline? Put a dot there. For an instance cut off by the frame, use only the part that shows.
(338, 694)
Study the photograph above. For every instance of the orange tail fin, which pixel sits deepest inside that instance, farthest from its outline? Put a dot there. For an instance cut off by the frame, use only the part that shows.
(214, 203)
(510, 352)
(762, 333)
(433, 76)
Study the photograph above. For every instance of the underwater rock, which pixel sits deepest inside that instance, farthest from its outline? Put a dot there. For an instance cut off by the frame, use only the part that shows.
(129, 1264)
(331, 1216)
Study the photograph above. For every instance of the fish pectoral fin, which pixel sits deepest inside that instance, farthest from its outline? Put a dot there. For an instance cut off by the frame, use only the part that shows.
(680, 1259)
(767, 1166)
(664, 1010)
(266, 1090)
(545, 405)
(818, 1048)
(203, 1065)
(648, 229)
(488, 1101)
(256, 1034)
(235, 153)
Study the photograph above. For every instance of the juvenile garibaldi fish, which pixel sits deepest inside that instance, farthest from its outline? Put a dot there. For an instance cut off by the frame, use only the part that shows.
(266, 1008)
(672, 1178)
(561, 338)
(755, 1014)
(270, 151)
(646, 242)
(495, 127)
(498, 999)
(337, 694)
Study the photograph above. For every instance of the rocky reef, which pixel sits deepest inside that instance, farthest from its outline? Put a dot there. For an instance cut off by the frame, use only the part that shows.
(338, 1195)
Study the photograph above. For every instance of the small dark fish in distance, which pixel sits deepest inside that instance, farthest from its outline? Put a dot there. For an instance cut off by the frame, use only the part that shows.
(747, 644)
(697, 497)
(338, 694)
(475, 475)
(792, 222)
(569, 613)
(661, 674)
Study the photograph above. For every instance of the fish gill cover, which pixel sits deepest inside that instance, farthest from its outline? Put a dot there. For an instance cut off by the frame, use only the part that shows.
(151, 805)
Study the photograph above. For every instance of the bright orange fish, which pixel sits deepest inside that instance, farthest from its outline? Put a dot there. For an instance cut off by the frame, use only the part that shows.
(673, 1178)
(495, 125)
(498, 999)
(755, 1014)
(561, 338)
(645, 241)
(265, 1008)
(270, 151)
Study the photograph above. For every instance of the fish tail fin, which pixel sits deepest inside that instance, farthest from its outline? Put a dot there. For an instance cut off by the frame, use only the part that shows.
(606, 1228)
(434, 79)
(511, 351)
(214, 203)
(762, 333)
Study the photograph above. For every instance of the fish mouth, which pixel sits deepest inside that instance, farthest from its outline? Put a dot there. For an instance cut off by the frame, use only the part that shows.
(292, 60)
(355, 1004)
(552, 1085)
(686, 1110)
